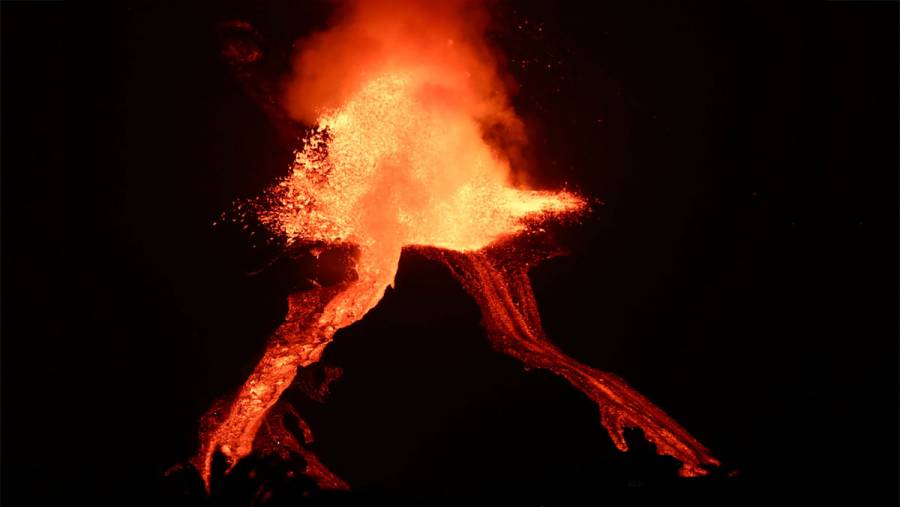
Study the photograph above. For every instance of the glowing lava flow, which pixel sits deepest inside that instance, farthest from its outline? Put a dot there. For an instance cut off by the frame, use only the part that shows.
(497, 277)
(401, 162)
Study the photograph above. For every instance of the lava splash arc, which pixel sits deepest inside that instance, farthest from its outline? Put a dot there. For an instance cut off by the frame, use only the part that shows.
(398, 158)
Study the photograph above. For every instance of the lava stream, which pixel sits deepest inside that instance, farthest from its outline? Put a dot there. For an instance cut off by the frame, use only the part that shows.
(497, 278)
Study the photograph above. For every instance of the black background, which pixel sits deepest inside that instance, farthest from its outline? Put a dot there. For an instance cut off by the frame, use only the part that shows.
(741, 273)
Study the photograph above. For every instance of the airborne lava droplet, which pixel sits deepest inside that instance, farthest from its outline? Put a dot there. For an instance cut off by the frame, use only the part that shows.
(398, 158)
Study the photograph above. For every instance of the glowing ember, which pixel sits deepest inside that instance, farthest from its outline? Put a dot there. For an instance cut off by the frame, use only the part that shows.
(398, 158)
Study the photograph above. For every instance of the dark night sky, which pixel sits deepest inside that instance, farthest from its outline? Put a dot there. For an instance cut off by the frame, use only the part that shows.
(742, 272)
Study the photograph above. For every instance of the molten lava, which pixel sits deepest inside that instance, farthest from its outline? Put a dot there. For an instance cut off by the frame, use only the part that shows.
(398, 158)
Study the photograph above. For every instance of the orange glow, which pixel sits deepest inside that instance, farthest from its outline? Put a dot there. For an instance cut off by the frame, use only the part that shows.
(400, 95)
(396, 166)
